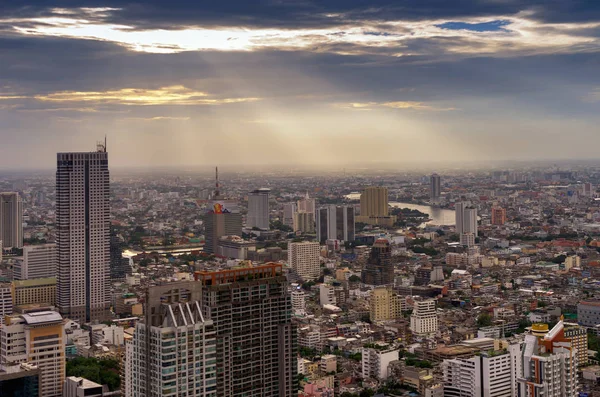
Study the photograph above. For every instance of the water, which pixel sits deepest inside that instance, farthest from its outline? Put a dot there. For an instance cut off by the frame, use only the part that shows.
(438, 216)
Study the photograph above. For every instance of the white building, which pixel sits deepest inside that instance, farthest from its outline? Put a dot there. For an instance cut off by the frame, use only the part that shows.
(424, 319)
(307, 204)
(327, 294)
(466, 218)
(304, 259)
(39, 261)
(81, 387)
(289, 210)
(298, 302)
(83, 235)
(37, 339)
(258, 209)
(11, 220)
(375, 362)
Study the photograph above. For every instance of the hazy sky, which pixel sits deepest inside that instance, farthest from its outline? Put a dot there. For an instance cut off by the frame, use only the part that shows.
(299, 81)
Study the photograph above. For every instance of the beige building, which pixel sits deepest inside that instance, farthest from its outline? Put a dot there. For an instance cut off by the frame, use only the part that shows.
(386, 304)
(374, 207)
(579, 340)
(328, 363)
(304, 222)
(38, 290)
(304, 259)
(37, 339)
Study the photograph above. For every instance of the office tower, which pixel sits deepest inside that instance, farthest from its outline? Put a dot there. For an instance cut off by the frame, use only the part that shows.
(6, 301)
(385, 304)
(304, 259)
(304, 222)
(588, 190)
(258, 209)
(490, 374)
(289, 211)
(83, 235)
(22, 380)
(335, 223)
(498, 216)
(424, 319)
(34, 291)
(36, 339)
(579, 340)
(298, 302)
(307, 204)
(549, 365)
(120, 267)
(256, 340)
(39, 261)
(11, 220)
(379, 269)
(222, 219)
(435, 187)
(173, 350)
(374, 207)
(466, 218)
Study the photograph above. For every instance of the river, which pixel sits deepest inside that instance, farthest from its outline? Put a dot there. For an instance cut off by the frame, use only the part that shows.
(438, 216)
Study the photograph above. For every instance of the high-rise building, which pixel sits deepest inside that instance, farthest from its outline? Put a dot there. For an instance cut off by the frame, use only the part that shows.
(11, 220)
(37, 339)
(119, 266)
(289, 211)
(307, 204)
(379, 269)
(385, 304)
(258, 209)
(549, 365)
(304, 258)
(39, 261)
(22, 380)
(466, 222)
(490, 374)
(435, 187)
(579, 340)
(304, 222)
(588, 313)
(256, 341)
(424, 319)
(222, 219)
(6, 301)
(335, 223)
(498, 216)
(376, 362)
(298, 302)
(374, 207)
(35, 290)
(173, 351)
(83, 235)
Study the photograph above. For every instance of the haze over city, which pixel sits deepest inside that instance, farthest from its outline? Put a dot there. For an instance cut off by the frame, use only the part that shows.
(299, 82)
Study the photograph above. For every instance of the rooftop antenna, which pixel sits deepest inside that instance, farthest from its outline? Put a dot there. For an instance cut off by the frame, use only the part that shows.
(216, 182)
(105, 148)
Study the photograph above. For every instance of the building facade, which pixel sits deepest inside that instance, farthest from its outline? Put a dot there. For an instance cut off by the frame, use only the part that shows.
(34, 291)
(11, 220)
(258, 209)
(498, 216)
(435, 187)
(335, 223)
(222, 219)
(379, 269)
(304, 222)
(424, 319)
(304, 258)
(39, 261)
(83, 235)
(6, 301)
(385, 304)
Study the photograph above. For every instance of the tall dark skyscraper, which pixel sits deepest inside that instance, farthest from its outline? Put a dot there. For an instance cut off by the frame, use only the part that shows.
(335, 223)
(379, 269)
(435, 187)
(256, 340)
(83, 235)
(11, 220)
(119, 266)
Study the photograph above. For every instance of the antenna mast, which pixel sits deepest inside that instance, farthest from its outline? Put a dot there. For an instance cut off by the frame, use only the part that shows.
(216, 182)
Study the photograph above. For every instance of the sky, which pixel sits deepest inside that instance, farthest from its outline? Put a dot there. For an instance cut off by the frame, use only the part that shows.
(279, 82)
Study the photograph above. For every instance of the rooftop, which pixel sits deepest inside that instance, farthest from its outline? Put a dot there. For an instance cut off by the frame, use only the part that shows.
(41, 317)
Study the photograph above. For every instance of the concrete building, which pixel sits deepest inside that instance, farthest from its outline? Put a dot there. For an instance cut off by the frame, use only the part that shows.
(466, 218)
(235, 247)
(335, 223)
(374, 209)
(490, 374)
(222, 219)
(256, 348)
(37, 339)
(304, 222)
(6, 301)
(289, 211)
(39, 261)
(332, 294)
(435, 187)
(173, 352)
(258, 209)
(39, 290)
(81, 387)
(83, 235)
(307, 204)
(385, 304)
(379, 269)
(11, 220)
(588, 313)
(375, 362)
(424, 319)
(21, 380)
(328, 363)
(298, 302)
(498, 216)
(579, 340)
(304, 258)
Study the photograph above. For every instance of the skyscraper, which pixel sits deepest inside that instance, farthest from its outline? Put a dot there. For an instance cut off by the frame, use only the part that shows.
(304, 222)
(83, 235)
(307, 204)
(435, 187)
(379, 269)
(498, 216)
(424, 319)
(335, 223)
(11, 220)
(289, 212)
(466, 222)
(258, 209)
(222, 219)
(173, 350)
(119, 266)
(304, 259)
(374, 207)
(256, 341)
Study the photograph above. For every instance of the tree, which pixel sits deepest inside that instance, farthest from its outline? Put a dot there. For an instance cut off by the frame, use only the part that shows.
(484, 320)
(104, 372)
(354, 279)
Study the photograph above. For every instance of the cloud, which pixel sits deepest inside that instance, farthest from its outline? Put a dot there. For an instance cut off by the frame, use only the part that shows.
(159, 118)
(401, 105)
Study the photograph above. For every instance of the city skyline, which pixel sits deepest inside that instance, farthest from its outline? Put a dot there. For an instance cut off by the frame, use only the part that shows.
(190, 85)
